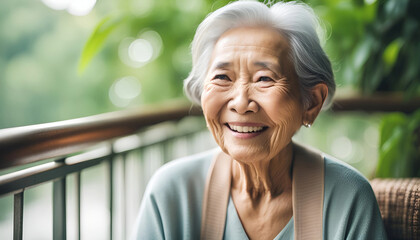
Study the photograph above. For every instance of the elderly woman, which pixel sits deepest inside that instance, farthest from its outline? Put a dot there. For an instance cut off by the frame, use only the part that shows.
(259, 74)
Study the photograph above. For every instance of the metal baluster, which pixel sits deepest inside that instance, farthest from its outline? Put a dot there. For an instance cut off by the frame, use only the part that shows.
(142, 171)
(124, 196)
(111, 194)
(191, 146)
(166, 151)
(59, 207)
(77, 197)
(18, 216)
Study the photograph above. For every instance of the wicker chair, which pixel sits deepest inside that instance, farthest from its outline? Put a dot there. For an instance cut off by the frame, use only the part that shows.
(399, 202)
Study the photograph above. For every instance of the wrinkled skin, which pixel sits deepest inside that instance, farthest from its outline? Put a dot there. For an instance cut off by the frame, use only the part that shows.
(252, 82)
(252, 86)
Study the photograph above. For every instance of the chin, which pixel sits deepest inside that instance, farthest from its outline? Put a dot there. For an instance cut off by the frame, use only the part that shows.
(246, 154)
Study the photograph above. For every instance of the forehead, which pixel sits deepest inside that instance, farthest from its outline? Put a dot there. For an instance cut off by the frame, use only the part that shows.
(263, 39)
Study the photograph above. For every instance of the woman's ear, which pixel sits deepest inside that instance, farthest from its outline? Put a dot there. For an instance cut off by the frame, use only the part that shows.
(318, 95)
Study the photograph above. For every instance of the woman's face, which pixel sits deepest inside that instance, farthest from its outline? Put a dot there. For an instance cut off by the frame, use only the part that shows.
(251, 98)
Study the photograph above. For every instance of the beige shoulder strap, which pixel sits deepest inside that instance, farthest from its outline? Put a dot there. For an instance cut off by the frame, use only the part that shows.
(308, 195)
(216, 197)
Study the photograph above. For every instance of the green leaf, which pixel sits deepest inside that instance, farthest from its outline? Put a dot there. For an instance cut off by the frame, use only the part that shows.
(398, 147)
(97, 39)
(389, 154)
(362, 52)
(391, 53)
(391, 134)
(389, 124)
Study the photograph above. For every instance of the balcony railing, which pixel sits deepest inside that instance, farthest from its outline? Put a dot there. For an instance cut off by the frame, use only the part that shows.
(54, 151)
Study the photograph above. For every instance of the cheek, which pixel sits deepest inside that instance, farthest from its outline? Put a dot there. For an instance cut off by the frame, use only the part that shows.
(212, 101)
(282, 106)
(284, 111)
(288, 112)
(286, 116)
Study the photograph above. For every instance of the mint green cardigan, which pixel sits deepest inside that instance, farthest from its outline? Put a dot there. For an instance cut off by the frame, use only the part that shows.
(171, 206)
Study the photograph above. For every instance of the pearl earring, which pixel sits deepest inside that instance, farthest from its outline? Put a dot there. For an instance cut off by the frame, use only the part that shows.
(307, 125)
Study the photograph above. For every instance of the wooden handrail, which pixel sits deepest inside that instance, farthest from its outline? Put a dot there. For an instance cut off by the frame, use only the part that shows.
(28, 144)
(385, 102)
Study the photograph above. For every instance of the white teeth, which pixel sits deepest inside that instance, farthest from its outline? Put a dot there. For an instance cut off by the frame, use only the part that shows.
(245, 129)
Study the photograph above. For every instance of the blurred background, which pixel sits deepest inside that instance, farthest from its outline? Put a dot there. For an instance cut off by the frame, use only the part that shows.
(64, 59)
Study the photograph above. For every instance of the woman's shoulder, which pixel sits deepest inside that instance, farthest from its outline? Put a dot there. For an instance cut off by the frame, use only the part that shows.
(350, 207)
(339, 172)
(342, 181)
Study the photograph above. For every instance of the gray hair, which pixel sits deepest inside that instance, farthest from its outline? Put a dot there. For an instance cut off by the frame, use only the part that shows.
(295, 21)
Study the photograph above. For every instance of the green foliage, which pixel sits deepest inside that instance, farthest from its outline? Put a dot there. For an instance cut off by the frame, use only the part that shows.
(39, 50)
(392, 49)
(97, 39)
(399, 146)
(176, 21)
(345, 23)
(173, 21)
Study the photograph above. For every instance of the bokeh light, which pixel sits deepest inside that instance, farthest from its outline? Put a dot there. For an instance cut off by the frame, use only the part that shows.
(74, 7)
(124, 90)
(57, 4)
(155, 40)
(142, 7)
(371, 136)
(138, 52)
(342, 147)
(370, 1)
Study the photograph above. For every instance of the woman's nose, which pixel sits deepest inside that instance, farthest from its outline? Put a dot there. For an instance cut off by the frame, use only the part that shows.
(241, 101)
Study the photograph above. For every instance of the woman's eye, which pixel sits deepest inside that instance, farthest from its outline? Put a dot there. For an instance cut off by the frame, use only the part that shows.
(222, 77)
(265, 79)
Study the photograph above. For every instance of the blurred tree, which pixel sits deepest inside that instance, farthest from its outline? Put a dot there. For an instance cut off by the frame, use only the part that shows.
(345, 22)
(391, 49)
(39, 48)
(164, 29)
(390, 64)
(399, 146)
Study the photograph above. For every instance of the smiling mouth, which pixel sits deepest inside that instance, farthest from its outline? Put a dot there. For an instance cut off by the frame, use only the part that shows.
(246, 129)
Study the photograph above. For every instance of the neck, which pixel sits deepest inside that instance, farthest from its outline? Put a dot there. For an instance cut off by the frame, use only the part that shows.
(264, 178)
